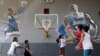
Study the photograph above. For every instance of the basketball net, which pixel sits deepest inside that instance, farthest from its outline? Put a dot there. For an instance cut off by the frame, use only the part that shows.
(46, 23)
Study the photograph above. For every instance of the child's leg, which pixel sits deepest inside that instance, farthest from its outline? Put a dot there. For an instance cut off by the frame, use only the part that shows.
(62, 51)
(90, 52)
(7, 36)
(87, 52)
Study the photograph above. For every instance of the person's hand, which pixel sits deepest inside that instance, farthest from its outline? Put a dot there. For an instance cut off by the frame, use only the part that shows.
(77, 47)
(30, 51)
(20, 47)
(93, 41)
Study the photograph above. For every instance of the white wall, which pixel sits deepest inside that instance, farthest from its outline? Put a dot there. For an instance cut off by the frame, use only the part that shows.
(26, 19)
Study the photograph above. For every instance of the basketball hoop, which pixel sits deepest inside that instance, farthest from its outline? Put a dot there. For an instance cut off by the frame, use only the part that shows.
(46, 23)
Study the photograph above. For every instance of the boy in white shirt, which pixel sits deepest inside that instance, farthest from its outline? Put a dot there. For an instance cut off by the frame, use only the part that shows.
(14, 45)
(62, 44)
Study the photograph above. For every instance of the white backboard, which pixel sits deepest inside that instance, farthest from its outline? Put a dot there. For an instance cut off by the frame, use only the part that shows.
(40, 17)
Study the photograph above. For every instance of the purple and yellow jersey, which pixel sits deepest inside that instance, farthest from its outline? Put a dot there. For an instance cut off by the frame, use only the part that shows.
(12, 21)
(13, 26)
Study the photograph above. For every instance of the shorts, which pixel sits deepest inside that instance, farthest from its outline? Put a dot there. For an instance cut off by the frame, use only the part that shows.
(62, 51)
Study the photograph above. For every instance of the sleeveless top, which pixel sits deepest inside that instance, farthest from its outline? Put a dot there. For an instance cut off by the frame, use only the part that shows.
(12, 21)
(87, 44)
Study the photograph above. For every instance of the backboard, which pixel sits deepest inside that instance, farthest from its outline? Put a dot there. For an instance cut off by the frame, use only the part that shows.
(39, 18)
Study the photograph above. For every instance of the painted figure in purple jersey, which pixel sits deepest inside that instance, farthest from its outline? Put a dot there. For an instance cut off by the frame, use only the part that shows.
(75, 18)
(12, 24)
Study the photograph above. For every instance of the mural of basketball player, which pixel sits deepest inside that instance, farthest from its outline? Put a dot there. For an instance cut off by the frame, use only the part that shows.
(12, 24)
(12, 29)
(75, 18)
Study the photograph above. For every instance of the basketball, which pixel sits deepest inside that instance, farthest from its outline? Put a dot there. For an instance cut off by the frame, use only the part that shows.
(24, 3)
